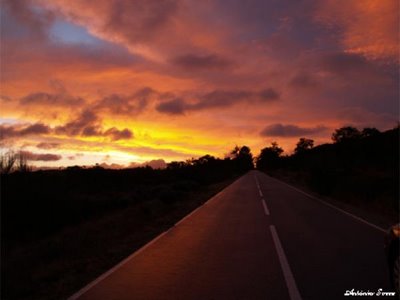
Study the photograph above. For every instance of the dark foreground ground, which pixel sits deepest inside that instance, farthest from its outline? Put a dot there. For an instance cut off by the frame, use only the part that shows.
(61, 229)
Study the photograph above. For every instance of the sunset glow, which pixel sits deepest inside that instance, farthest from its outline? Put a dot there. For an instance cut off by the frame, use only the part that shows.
(128, 82)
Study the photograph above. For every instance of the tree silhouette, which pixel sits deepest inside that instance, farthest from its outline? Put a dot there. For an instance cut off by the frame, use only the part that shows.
(345, 134)
(243, 158)
(204, 160)
(269, 157)
(7, 162)
(303, 145)
(369, 131)
(22, 162)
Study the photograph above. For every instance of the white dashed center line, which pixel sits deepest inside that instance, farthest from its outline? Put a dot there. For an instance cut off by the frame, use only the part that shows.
(287, 272)
(265, 207)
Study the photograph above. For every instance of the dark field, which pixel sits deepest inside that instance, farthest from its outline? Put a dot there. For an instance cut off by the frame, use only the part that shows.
(61, 229)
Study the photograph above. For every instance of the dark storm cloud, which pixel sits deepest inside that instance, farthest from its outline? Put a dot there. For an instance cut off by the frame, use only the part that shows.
(281, 130)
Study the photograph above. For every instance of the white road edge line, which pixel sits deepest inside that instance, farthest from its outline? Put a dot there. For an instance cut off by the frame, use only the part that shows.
(287, 273)
(333, 206)
(113, 269)
(265, 207)
(189, 215)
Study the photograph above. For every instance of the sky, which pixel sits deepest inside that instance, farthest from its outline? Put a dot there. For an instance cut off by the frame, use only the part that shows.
(125, 83)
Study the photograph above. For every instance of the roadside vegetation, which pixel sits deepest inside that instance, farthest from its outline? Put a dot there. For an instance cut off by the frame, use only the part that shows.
(360, 168)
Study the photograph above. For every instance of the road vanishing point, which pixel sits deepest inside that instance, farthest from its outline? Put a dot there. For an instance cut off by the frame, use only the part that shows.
(259, 238)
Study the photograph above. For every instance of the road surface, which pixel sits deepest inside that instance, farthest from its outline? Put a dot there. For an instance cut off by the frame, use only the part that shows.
(257, 239)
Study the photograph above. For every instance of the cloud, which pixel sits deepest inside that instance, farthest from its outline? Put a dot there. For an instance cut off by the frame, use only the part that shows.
(41, 98)
(223, 98)
(202, 62)
(85, 121)
(345, 63)
(173, 107)
(364, 118)
(369, 27)
(10, 131)
(112, 166)
(131, 23)
(281, 130)
(47, 145)
(5, 98)
(116, 134)
(41, 157)
(303, 80)
(126, 105)
(73, 157)
(156, 164)
(36, 21)
(91, 130)
(88, 124)
(217, 99)
(37, 128)
(269, 94)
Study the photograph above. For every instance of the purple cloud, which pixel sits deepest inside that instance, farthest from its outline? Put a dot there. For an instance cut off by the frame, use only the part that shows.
(281, 130)
(10, 131)
(40, 157)
(202, 62)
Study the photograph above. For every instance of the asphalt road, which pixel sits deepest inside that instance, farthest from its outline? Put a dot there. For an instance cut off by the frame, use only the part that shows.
(257, 239)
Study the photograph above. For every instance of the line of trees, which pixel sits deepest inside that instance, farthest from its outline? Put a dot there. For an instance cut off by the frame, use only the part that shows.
(360, 166)
(271, 157)
(241, 159)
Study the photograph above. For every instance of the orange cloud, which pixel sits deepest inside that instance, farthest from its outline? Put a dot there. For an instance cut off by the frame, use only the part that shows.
(368, 27)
